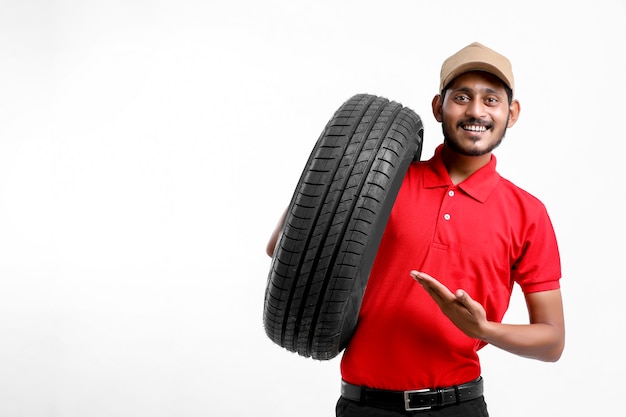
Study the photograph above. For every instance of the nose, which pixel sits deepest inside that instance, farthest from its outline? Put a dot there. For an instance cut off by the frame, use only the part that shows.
(476, 109)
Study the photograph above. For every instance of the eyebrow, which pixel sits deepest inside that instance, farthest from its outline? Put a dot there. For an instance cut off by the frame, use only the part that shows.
(487, 90)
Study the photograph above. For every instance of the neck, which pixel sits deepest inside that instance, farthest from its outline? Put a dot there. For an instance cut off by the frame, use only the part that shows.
(460, 167)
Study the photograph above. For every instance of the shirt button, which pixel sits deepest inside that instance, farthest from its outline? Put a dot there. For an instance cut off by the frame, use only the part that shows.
(451, 193)
(446, 216)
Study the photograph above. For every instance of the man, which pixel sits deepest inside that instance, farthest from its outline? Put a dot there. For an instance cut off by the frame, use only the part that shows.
(466, 236)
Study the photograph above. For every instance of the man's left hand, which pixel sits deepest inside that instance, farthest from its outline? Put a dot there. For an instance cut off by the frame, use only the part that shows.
(467, 314)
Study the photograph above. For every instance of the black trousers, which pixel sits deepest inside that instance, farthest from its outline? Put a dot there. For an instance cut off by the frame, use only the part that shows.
(472, 408)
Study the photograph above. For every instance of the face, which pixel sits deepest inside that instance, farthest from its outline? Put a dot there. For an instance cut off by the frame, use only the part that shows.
(475, 113)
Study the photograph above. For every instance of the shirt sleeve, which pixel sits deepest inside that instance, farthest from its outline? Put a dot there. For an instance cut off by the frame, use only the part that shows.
(539, 266)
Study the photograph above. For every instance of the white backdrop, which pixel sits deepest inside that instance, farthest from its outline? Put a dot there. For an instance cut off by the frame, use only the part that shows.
(148, 147)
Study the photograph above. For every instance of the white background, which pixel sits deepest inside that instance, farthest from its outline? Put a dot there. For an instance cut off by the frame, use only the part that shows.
(148, 147)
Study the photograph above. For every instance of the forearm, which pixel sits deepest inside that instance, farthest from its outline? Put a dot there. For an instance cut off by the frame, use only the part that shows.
(540, 341)
(271, 244)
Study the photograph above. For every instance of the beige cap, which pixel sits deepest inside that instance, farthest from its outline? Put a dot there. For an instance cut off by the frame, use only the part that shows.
(476, 57)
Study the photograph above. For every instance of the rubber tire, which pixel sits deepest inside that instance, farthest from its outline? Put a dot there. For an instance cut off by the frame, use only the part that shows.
(334, 224)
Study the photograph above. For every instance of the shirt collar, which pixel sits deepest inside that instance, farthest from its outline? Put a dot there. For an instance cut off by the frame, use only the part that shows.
(479, 185)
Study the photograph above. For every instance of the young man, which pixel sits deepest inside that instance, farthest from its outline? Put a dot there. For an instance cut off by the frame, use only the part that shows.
(465, 235)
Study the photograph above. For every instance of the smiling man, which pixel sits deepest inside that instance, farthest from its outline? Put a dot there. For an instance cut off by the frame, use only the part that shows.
(466, 236)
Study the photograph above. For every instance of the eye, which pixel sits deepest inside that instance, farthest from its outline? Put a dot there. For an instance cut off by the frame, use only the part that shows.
(463, 98)
(492, 101)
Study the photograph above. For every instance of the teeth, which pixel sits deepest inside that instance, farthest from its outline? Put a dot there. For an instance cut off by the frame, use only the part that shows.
(475, 128)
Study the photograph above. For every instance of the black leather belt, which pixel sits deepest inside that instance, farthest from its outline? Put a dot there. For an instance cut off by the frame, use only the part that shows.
(415, 400)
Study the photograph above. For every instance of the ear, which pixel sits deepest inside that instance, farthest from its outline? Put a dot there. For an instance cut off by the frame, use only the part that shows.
(514, 110)
(438, 107)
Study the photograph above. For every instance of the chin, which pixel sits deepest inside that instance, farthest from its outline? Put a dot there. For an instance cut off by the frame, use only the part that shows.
(476, 148)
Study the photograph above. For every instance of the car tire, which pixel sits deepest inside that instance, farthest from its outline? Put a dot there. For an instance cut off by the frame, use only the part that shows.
(334, 224)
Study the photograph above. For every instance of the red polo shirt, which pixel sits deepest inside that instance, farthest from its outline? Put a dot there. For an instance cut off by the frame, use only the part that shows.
(482, 235)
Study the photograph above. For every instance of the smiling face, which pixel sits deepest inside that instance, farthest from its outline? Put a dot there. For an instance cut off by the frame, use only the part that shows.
(475, 113)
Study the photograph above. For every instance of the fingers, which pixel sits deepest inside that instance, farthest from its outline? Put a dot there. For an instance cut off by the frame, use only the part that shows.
(425, 280)
(423, 277)
(460, 308)
(433, 287)
(462, 297)
(466, 301)
(439, 290)
(417, 275)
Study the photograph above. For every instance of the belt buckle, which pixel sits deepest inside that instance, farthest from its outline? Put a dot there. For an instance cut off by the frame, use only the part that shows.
(407, 400)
